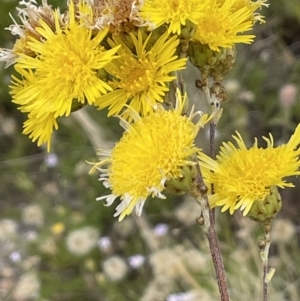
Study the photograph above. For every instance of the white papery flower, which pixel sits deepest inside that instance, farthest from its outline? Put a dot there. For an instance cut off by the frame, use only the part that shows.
(115, 268)
(81, 241)
(8, 228)
(28, 287)
(33, 215)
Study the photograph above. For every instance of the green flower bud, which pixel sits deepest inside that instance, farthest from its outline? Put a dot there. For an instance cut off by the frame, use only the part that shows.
(215, 64)
(183, 185)
(187, 31)
(264, 211)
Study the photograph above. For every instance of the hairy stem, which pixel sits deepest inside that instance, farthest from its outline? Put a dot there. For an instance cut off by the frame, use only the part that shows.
(212, 132)
(264, 255)
(214, 98)
(206, 220)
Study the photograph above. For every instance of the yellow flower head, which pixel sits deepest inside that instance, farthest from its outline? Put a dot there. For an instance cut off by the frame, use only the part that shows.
(174, 13)
(243, 176)
(30, 15)
(58, 228)
(64, 71)
(153, 150)
(251, 6)
(225, 21)
(141, 76)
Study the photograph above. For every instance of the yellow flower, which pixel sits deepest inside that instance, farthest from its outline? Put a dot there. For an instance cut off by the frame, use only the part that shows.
(141, 78)
(63, 72)
(225, 21)
(250, 5)
(58, 228)
(175, 13)
(243, 176)
(40, 128)
(153, 150)
(30, 16)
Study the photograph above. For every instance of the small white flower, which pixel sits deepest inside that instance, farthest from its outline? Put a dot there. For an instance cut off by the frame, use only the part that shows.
(190, 296)
(158, 289)
(232, 86)
(187, 212)
(51, 160)
(48, 246)
(161, 229)
(246, 96)
(195, 260)
(8, 126)
(165, 263)
(180, 297)
(8, 229)
(136, 261)
(33, 215)
(30, 236)
(28, 287)
(115, 268)
(104, 244)
(82, 241)
(283, 231)
(15, 256)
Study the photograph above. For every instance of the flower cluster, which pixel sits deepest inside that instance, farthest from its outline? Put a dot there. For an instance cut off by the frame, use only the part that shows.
(112, 53)
(216, 23)
(127, 56)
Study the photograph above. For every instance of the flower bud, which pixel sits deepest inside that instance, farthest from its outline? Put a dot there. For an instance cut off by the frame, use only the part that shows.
(184, 184)
(211, 63)
(264, 211)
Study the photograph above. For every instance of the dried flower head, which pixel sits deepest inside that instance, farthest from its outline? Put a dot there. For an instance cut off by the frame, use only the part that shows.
(31, 16)
(117, 15)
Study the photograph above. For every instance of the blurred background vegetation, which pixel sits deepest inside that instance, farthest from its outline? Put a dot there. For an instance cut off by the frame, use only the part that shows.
(57, 243)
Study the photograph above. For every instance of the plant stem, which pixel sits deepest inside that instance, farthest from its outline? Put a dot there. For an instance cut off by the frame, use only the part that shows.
(213, 97)
(93, 131)
(265, 284)
(207, 218)
(264, 255)
(217, 260)
(212, 132)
